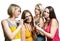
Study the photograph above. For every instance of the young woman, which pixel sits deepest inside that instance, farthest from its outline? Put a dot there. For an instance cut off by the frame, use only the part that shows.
(51, 25)
(28, 25)
(38, 20)
(11, 31)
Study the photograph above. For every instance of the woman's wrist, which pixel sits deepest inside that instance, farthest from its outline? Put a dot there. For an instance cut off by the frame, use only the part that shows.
(20, 26)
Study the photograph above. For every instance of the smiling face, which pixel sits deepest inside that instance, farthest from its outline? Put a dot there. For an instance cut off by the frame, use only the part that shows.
(17, 12)
(28, 16)
(14, 10)
(46, 13)
(37, 10)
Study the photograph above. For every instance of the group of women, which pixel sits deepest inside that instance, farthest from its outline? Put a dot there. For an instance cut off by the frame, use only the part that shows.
(43, 26)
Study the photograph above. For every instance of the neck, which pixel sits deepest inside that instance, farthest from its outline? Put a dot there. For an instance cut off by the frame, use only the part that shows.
(48, 19)
(12, 18)
(37, 16)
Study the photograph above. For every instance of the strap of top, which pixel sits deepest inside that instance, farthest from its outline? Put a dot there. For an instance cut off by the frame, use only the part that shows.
(11, 24)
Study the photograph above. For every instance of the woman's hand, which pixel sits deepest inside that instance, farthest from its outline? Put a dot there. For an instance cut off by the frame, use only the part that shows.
(38, 28)
(7, 29)
(20, 22)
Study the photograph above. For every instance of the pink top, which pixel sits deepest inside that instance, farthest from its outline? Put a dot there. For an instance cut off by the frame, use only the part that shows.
(56, 36)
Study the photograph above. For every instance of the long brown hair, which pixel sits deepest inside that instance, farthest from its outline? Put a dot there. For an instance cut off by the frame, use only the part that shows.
(23, 17)
(51, 13)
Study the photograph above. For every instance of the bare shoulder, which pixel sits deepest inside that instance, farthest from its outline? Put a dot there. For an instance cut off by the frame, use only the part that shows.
(3, 21)
(41, 18)
(34, 17)
(54, 20)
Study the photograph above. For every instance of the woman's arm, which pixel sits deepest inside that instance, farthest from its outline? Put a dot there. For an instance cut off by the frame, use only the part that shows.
(54, 26)
(7, 30)
(41, 22)
(23, 37)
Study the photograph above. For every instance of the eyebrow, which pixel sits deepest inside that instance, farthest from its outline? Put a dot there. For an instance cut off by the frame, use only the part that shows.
(28, 15)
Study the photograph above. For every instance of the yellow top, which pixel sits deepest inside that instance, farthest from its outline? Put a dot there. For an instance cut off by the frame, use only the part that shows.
(28, 34)
(12, 27)
(18, 36)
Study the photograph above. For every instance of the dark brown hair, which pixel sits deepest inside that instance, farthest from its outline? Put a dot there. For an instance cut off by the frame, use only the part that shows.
(51, 12)
(23, 17)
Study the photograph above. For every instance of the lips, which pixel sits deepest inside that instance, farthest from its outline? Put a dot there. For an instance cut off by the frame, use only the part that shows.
(28, 19)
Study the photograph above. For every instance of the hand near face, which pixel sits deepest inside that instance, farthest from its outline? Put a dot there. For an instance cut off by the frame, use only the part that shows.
(21, 22)
(38, 28)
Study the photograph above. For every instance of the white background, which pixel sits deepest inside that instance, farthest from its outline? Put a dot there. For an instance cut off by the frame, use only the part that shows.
(26, 4)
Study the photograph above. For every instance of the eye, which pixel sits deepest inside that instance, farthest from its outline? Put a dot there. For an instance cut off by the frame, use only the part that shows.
(19, 10)
(48, 12)
(37, 9)
(44, 11)
(27, 16)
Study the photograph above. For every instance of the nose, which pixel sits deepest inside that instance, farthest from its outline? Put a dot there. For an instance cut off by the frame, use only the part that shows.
(29, 18)
(45, 13)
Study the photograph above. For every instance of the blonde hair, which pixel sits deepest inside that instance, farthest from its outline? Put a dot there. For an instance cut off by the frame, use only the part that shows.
(12, 8)
(39, 5)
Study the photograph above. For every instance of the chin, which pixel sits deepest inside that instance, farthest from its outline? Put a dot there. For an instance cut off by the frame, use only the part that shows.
(45, 17)
(28, 21)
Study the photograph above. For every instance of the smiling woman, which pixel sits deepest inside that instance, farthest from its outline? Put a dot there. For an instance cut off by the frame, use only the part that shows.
(26, 4)
(51, 30)
(28, 25)
(11, 31)
(38, 19)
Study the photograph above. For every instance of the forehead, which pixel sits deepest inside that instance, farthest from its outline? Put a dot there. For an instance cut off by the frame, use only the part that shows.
(36, 7)
(27, 14)
(17, 8)
(46, 9)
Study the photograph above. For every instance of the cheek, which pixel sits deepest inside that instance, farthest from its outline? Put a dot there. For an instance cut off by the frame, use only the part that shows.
(46, 15)
(17, 13)
(37, 12)
(31, 18)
